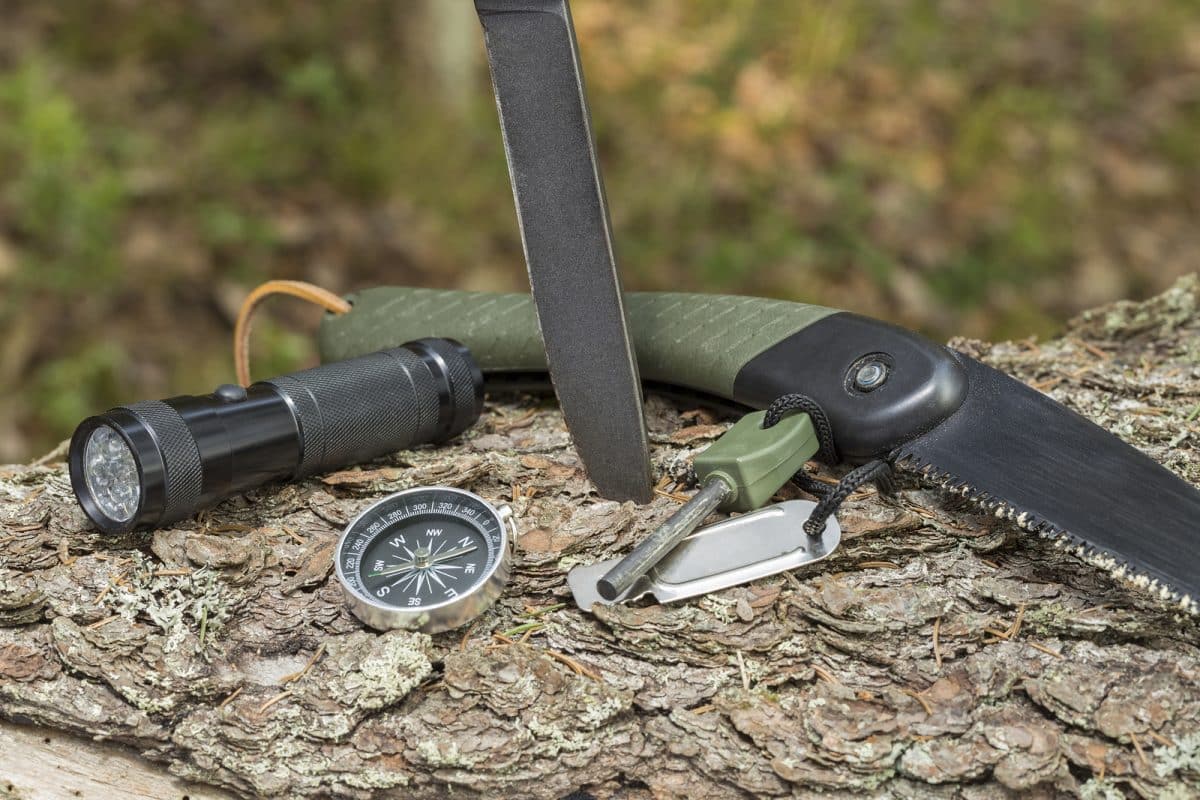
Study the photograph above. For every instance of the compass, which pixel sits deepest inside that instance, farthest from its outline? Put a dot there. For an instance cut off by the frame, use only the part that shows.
(429, 559)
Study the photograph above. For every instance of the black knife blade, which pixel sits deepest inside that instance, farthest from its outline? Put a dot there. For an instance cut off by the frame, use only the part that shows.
(565, 230)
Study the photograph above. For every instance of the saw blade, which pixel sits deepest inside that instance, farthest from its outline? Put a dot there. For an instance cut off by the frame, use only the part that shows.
(1027, 458)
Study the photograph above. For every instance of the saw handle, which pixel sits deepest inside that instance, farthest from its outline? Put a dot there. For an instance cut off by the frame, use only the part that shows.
(746, 349)
(694, 341)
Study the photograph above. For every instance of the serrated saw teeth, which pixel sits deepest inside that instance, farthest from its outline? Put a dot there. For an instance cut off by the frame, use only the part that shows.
(1020, 456)
(1118, 568)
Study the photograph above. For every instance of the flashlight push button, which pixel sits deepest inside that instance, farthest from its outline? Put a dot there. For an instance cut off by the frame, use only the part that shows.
(230, 393)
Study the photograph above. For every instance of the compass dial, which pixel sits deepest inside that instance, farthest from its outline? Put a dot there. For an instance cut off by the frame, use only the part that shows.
(429, 559)
(432, 559)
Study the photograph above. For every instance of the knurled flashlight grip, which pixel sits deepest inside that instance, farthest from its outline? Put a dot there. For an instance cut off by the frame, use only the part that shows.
(152, 463)
(352, 411)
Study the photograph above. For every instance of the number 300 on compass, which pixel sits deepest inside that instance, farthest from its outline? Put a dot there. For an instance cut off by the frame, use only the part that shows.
(426, 559)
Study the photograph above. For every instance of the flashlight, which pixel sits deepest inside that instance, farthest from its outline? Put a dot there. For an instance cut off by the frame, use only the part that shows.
(152, 463)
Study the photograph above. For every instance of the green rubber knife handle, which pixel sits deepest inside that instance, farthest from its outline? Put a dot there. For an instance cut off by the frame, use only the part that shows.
(746, 349)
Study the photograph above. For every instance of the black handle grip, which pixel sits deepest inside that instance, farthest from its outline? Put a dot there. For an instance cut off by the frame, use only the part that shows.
(352, 411)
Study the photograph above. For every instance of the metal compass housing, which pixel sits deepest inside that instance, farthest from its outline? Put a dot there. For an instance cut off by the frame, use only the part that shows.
(428, 559)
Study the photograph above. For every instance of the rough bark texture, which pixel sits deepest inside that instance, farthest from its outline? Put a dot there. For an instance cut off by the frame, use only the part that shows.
(939, 653)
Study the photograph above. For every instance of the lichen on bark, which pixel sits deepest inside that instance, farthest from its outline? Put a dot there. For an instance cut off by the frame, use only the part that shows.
(941, 652)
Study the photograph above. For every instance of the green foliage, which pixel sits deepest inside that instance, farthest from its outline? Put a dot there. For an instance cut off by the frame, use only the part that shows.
(62, 195)
(63, 200)
(965, 168)
(69, 389)
(317, 81)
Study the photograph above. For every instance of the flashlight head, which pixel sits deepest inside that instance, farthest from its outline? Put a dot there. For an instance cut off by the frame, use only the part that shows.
(118, 471)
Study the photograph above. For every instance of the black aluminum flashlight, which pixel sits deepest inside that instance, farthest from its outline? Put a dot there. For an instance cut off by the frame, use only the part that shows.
(152, 463)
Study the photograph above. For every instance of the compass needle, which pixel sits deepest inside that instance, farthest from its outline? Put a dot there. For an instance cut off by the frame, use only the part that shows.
(394, 569)
(452, 554)
(440, 556)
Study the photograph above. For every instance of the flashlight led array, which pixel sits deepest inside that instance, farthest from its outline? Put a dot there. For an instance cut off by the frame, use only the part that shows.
(111, 474)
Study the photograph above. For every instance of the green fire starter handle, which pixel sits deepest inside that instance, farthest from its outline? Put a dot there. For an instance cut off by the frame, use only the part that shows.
(753, 461)
(746, 349)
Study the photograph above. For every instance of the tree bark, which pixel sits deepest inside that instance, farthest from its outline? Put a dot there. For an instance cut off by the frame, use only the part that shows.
(940, 652)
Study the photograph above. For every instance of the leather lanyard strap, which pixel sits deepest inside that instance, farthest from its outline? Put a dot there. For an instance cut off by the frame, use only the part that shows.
(241, 329)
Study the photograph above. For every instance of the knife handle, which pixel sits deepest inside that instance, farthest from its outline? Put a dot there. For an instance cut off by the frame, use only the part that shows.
(747, 349)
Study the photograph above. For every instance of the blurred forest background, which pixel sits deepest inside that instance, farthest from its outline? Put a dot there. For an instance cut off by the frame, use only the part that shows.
(961, 167)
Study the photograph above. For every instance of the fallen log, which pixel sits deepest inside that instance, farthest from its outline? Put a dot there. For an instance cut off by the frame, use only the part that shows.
(940, 653)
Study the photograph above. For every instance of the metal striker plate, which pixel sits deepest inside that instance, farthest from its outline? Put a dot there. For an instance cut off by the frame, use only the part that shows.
(429, 559)
(728, 553)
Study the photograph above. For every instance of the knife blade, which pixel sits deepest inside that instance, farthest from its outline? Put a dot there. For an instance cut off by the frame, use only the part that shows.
(565, 231)
(938, 412)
